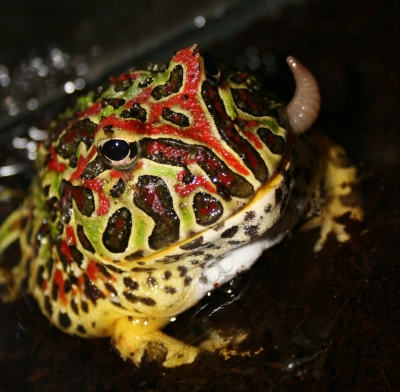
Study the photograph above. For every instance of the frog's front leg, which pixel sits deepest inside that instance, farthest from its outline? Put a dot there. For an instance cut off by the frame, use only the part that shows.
(135, 338)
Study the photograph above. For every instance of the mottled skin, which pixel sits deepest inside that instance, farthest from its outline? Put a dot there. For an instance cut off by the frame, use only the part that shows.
(157, 189)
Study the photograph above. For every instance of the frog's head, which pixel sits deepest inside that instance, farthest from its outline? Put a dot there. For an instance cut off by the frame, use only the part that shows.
(171, 151)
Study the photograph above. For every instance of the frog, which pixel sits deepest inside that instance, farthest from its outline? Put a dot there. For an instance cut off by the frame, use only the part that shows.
(163, 185)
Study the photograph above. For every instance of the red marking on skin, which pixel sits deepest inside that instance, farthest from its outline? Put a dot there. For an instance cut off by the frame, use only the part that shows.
(80, 283)
(200, 130)
(58, 278)
(92, 271)
(208, 208)
(64, 248)
(44, 285)
(115, 174)
(81, 166)
(185, 189)
(94, 110)
(71, 240)
(253, 139)
(153, 201)
(53, 165)
(104, 202)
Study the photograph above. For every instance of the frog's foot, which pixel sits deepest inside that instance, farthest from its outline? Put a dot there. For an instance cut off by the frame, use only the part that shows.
(140, 338)
(341, 199)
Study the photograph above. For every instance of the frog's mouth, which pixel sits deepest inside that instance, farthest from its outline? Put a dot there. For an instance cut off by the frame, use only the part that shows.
(305, 105)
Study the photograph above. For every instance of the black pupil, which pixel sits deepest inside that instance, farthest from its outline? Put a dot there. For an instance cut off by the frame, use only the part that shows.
(210, 64)
(115, 149)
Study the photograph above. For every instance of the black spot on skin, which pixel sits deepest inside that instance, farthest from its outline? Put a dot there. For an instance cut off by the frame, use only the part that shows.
(208, 257)
(234, 243)
(268, 208)
(116, 235)
(136, 111)
(39, 276)
(135, 256)
(231, 232)
(187, 280)
(193, 244)
(115, 269)
(122, 85)
(114, 102)
(194, 262)
(183, 270)
(67, 286)
(203, 279)
(86, 244)
(94, 168)
(76, 256)
(85, 306)
(251, 231)
(131, 284)
(54, 291)
(145, 83)
(83, 198)
(142, 269)
(80, 329)
(47, 305)
(152, 281)
(207, 209)
(79, 131)
(74, 307)
(154, 199)
(118, 189)
(250, 215)
(91, 290)
(134, 299)
(178, 119)
(278, 195)
(275, 143)
(170, 290)
(64, 320)
(103, 270)
(172, 85)
(167, 275)
(111, 289)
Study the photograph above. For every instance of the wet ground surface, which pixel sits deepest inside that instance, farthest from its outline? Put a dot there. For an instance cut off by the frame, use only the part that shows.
(326, 322)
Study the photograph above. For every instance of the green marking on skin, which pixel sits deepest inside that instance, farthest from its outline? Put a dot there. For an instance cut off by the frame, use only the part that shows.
(83, 102)
(140, 233)
(186, 214)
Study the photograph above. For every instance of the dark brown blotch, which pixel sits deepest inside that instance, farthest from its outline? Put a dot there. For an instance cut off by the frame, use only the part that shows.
(231, 232)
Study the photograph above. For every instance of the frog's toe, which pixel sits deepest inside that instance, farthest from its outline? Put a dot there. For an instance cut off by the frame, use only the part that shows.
(140, 340)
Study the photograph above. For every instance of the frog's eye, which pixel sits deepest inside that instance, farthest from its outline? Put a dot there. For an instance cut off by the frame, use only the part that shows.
(119, 153)
(211, 66)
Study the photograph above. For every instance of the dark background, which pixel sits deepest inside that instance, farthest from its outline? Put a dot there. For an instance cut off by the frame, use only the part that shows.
(326, 322)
